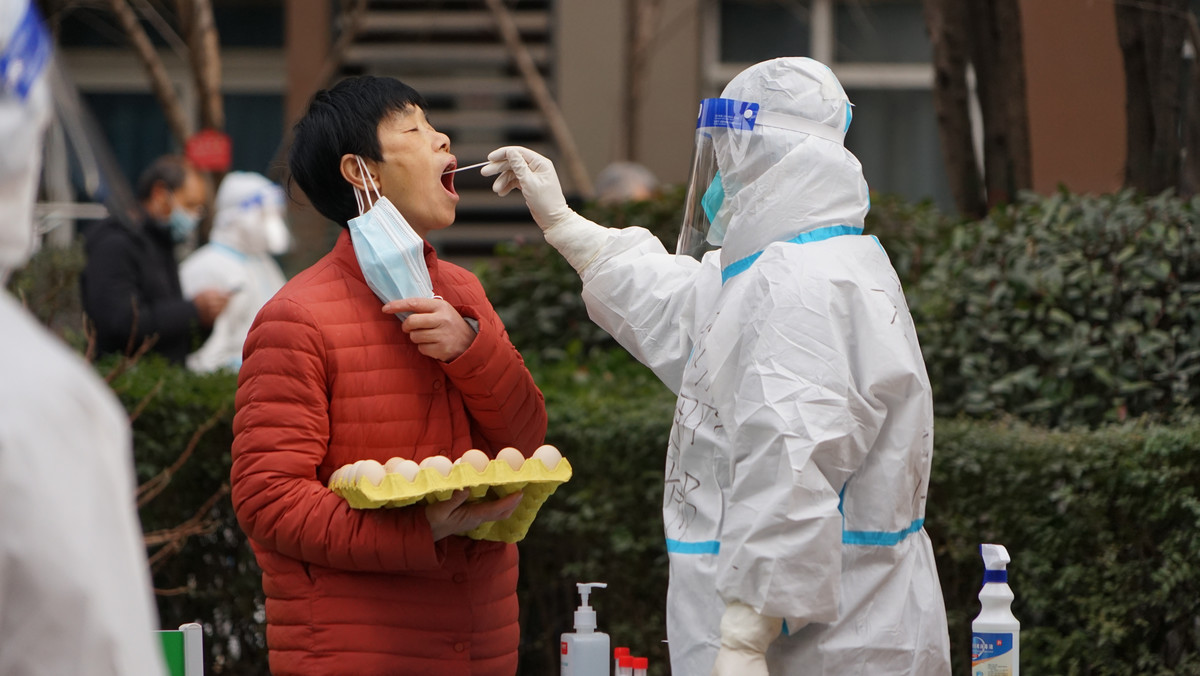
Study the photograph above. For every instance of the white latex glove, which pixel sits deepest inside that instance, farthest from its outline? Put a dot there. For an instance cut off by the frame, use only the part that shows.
(745, 637)
(575, 237)
(534, 176)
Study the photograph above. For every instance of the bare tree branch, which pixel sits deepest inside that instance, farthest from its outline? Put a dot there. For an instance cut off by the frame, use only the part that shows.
(172, 540)
(150, 490)
(160, 82)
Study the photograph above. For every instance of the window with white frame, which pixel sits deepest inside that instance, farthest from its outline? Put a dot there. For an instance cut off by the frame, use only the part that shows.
(880, 51)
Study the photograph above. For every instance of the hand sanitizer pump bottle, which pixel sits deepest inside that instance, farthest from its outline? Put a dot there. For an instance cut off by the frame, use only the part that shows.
(995, 633)
(585, 651)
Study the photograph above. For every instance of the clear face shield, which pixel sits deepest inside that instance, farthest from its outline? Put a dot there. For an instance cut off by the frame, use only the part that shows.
(729, 139)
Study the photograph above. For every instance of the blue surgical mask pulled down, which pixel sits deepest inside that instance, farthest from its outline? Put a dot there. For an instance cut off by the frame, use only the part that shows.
(390, 253)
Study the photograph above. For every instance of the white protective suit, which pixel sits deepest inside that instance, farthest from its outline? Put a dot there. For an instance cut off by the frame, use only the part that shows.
(800, 452)
(248, 228)
(75, 591)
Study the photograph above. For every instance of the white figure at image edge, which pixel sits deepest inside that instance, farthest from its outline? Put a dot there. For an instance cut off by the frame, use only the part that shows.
(248, 231)
(390, 253)
(790, 348)
(75, 589)
(995, 633)
(585, 652)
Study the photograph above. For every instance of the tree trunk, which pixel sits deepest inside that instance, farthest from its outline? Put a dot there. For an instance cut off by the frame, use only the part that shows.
(642, 20)
(203, 45)
(997, 56)
(947, 24)
(1190, 180)
(160, 83)
(1151, 34)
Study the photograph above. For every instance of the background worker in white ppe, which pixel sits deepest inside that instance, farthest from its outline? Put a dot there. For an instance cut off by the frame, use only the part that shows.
(799, 457)
(75, 591)
(248, 230)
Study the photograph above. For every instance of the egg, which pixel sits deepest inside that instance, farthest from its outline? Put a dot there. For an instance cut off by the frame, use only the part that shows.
(338, 474)
(549, 456)
(402, 466)
(371, 470)
(477, 459)
(513, 457)
(438, 462)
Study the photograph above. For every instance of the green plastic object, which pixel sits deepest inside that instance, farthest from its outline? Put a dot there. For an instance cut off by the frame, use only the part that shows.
(183, 649)
(172, 647)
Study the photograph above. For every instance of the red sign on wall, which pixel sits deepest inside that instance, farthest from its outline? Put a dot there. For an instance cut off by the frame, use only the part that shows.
(210, 150)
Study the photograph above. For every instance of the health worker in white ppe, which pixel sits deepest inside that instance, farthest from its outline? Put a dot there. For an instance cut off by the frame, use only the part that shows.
(75, 590)
(799, 457)
(248, 231)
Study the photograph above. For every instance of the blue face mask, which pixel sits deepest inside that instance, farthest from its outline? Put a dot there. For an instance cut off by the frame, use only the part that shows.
(181, 223)
(711, 202)
(390, 253)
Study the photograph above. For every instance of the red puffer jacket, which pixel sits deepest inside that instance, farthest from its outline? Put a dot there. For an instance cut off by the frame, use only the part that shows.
(329, 379)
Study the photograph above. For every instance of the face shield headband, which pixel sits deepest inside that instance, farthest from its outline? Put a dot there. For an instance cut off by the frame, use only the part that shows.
(725, 133)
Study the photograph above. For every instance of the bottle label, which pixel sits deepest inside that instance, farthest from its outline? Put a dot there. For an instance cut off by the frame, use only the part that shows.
(991, 654)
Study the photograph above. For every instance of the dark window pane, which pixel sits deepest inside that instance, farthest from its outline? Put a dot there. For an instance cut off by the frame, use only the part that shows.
(240, 24)
(250, 25)
(255, 125)
(135, 128)
(756, 30)
(895, 135)
(882, 31)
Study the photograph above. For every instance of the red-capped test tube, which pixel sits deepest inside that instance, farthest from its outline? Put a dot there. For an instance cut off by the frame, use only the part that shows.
(640, 665)
(625, 665)
(618, 653)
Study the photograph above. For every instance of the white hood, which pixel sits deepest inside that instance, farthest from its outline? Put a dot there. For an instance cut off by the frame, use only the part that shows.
(23, 120)
(250, 215)
(789, 182)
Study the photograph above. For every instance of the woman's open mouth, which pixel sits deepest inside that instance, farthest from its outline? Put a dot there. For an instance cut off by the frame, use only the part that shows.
(447, 177)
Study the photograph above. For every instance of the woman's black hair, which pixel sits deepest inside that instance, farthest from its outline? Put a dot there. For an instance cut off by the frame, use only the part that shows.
(343, 119)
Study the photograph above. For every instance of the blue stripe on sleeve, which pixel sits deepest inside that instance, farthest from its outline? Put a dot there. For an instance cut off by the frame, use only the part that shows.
(681, 547)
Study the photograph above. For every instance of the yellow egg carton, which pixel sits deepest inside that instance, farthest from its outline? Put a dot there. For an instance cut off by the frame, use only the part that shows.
(369, 485)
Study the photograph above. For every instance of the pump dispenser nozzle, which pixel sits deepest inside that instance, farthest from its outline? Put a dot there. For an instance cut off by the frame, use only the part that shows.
(995, 558)
(585, 615)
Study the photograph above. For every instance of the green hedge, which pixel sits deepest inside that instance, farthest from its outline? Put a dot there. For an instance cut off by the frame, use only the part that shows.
(206, 574)
(1066, 310)
(1102, 526)
(1104, 532)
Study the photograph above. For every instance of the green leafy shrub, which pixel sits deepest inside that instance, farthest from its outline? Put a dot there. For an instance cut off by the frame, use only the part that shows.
(1066, 310)
(48, 286)
(203, 568)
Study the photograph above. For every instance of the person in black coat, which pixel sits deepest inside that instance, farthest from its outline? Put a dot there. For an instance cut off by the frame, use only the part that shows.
(130, 283)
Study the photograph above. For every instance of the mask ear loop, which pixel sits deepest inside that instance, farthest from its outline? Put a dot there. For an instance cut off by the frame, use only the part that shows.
(362, 167)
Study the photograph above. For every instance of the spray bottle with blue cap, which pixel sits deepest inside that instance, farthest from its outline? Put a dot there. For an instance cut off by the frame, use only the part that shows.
(995, 633)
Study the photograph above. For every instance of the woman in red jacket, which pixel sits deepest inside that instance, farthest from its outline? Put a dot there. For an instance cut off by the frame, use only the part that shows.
(329, 378)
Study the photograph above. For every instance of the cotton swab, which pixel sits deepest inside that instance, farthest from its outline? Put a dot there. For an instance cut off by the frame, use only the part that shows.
(469, 166)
